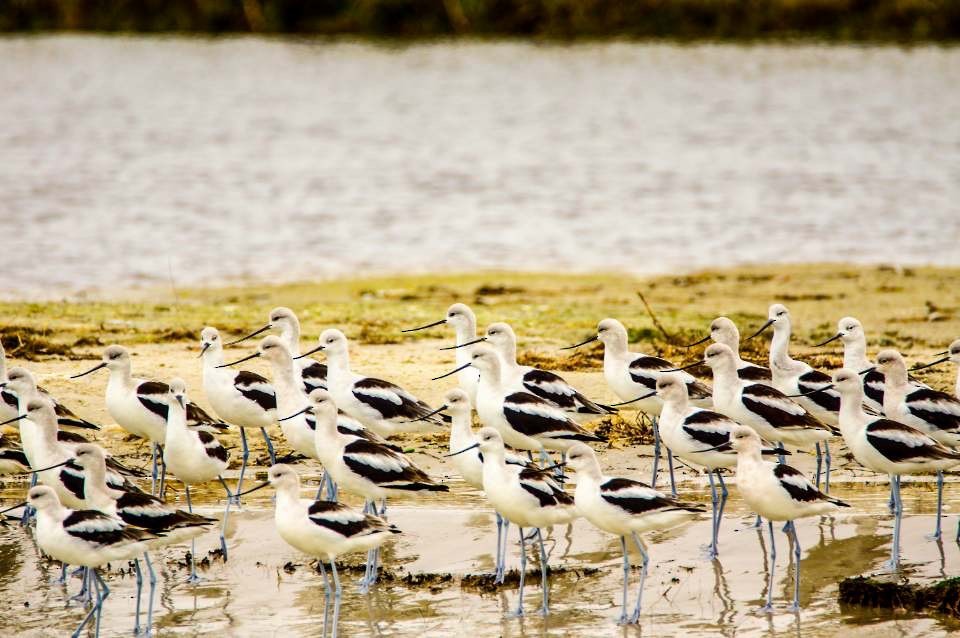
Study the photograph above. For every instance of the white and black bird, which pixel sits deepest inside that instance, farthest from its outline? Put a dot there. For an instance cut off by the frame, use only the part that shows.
(526, 497)
(632, 375)
(140, 406)
(524, 420)
(13, 460)
(777, 492)
(851, 335)
(934, 413)
(724, 330)
(323, 529)
(464, 323)
(380, 405)
(243, 398)
(362, 465)
(891, 447)
(311, 372)
(193, 456)
(626, 508)
(549, 386)
(951, 354)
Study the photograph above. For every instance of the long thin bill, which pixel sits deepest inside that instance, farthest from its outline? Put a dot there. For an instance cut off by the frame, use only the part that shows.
(452, 372)
(465, 344)
(295, 414)
(646, 396)
(253, 489)
(233, 363)
(309, 352)
(697, 343)
(429, 325)
(833, 338)
(93, 369)
(582, 343)
(249, 336)
(762, 328)
(466, 449)
(930, 365)
(428, 415)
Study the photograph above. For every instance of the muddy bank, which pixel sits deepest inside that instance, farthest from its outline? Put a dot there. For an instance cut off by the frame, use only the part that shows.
(942, 597)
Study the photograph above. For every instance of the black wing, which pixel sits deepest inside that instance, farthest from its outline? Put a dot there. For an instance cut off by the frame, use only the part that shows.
(939, 409)
(555, 389)
(314, 376)
(873, 386)
(755, 374)
(257, 389)
(71, 475)
(535, 482)
(153, 396)
(382, 466)
(901, 443)
(345, 521)
(776, 408)
(150, 513)
(212, 446)
(697, 426)
(390, 400)
(102, 529)
(827, 399)
(634, 497)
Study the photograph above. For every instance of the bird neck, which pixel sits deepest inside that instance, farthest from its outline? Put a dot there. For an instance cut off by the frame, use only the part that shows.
(855, 355)
(780, 346)
(461, 431)
(213, 357)
(290, 333)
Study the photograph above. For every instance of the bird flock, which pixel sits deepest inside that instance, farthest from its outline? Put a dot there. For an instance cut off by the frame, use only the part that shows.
(89, 509)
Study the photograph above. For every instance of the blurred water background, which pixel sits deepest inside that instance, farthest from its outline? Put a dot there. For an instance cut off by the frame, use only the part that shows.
(128, 161)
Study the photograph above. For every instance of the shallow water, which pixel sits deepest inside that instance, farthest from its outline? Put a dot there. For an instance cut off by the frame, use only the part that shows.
(252, 594)
(130, 160)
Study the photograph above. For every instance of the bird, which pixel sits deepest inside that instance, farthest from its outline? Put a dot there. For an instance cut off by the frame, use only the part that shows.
(724, 330)
(87, 538)
(136, 508)
(547, 385)
(934, 413)
(524, 420)
(323, 529)
(698, 436)
(20, 382)
(633, 374)
(380, 405)
(313, 374)
(887, 446)
(245, 399)
(526, 497)
(777, 492)
(850, 333)
(952, 355)
(193, 456)
(470, 465)
(12, 458)
(140, 406)
(361, 465)
(464, 323)
(773, 415)
(626, 508)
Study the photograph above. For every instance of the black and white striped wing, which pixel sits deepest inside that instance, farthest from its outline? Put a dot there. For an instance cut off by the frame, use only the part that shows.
(554, 389)
(10, 399)
(102, 530)
(901, 443)
(709, 429)
(796, 485)
(532, 416)
(66, 418)
(391, 401)
(72, 478)
(314, 375)
(873, 386)
(12, 458)
(383, 466)
(346, 522)
(645, 370)
(777, 409)
(198, 418)
(65, 436)
(348, 426)
(636, 498)
(257, 389)
(212, 446)
(828, 400)
(938, 409)
(752, 373)
(149, 512)
(538, 484)
(154, 396)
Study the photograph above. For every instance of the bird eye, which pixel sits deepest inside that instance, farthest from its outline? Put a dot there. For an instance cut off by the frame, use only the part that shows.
(781, 313)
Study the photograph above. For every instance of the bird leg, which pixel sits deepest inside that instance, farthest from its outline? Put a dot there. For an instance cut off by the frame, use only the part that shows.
(635, 617)
(773, 564)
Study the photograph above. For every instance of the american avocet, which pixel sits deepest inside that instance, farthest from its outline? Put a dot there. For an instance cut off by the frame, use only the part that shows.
(626, 508)
(312, 373)
(798, 378)
(380, 405)
(694, 435)
(20, 382)
(323, 529)
(193, 456)
(464, 323)
(12, 458)
(891, 447)
(243, 398)
(633, 374)
(524, 420)
(723, 330)
(363, 466)
(547, 385)
(774, 416)
(526, 497)
(140, 406)
(953, 355)
(934, 413)
(8, 401)
(138, 509)
(87, 538)
(470, 464)
(777, 492)
(851, 334)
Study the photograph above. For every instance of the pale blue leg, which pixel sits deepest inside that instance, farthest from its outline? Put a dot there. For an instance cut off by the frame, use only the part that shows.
(102, 592)
(714, 520)
(523, 573)
(139, 574)
(656, 451)
(152, 576)
(266, 439)
(937, 529)
(332, 490)
(243, 464)
(496, 559)
(773, 564)
(368, 573)
(635, 618)
(724, 493)
(337, 595)
(323, 484)
(90, 614)
(162, 470)
(326, 596)
(28, 510)
(673, 481)
(153, 473)
(226, 516)
(62, 578)
(826, 458)
(758, 523)
(819, 465)
(544, 577)
(894, 561)
(796, 568)
(194, 577)
(84, 585)
(503, 554)
(544, 458)
(626, 580)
